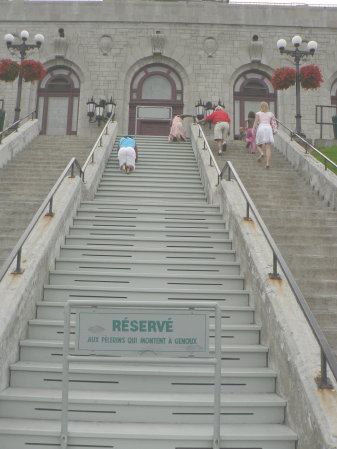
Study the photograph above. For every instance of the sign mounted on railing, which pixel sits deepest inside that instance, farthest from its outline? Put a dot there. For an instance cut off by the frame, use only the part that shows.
(103, 331)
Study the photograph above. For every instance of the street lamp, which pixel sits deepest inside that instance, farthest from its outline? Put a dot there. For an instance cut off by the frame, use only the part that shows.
(22, 49)
(100, 111)
(297, 54)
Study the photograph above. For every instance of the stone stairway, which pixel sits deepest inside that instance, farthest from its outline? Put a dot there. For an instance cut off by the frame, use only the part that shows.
(28, 177)
(304, 229)
(149, 235)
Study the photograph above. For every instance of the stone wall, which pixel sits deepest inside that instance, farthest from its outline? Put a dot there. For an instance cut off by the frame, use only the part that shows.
(208, 43)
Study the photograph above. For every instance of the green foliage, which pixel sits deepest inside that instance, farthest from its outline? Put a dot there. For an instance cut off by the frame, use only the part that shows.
(331, 153)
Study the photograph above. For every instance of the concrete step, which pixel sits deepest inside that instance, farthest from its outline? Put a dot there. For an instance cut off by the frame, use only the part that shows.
(171, 254)
(224, 297)
(17, 434)
(148, 243)
(168, 197)
(143, 377)
(207, 282)
(146, 266)
(146, 407)
(187, 228)
(230, 314)
(142, 206)
(235, 334)
(231, 355)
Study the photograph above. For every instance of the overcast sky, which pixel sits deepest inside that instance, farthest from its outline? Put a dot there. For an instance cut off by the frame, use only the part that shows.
(291, 2)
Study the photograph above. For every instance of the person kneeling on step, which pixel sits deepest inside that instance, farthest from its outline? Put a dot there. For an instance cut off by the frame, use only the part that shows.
(127, 154)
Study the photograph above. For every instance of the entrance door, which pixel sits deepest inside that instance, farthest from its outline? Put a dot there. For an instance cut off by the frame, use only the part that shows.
(249, 90)
(156, 88)
(58, 99)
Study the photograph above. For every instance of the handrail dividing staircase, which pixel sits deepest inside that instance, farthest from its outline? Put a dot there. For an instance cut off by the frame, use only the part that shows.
(16, 252)
(327, 357)
(307, 145)
(151, 236)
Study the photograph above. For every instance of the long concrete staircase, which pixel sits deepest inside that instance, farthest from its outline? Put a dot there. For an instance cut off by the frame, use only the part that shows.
(149, 235)
(303, 227)
(28, 177)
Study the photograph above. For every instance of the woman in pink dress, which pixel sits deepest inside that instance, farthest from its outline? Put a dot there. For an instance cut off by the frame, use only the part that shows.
(177, 131)
(264, 134)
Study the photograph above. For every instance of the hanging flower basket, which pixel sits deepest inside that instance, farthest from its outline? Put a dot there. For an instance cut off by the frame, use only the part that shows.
(9, 70)
(310, 77)
(32, 70)
(283, 78)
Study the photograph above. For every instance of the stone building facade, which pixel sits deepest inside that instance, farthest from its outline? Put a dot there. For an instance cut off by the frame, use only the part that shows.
(155, 58)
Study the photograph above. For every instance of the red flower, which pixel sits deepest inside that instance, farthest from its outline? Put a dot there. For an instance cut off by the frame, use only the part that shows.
(310, 76)
(32, 70)
(283, 78)
(9, 70)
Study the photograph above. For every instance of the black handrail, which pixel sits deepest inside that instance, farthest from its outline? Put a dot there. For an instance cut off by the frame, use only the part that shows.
(16, 252)
(212, 160)
(15, 126)
(327, 356)
(98, 142)
(308, 145)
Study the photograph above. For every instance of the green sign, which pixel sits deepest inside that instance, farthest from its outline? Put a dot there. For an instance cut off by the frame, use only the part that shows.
(103, 331)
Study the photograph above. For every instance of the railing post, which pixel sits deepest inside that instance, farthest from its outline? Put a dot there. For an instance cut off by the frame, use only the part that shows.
(72, 170)
(50, 213)
(100, 142)
(18, 263)
(210, 161)
(323, 381)
(274, 274)
(229, 174)
(247, 217)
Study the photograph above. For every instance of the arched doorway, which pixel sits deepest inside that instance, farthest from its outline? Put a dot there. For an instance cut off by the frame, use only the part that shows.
(156, 95)
(58, 100)
(249, 90)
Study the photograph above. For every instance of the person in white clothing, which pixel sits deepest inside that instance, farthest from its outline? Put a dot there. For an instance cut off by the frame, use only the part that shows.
(127, 154)
(264, 134)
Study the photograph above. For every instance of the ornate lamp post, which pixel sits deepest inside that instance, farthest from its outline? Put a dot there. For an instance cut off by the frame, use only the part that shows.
(100, 111)
(22, 49)
(297, 54)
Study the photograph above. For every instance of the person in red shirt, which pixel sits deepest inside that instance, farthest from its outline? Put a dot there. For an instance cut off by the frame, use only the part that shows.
(221, 121)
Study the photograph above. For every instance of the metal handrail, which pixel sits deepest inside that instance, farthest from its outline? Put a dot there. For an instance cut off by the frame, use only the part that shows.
(212, 160)
(16, 252)
(15, 126)
(327, 356)
(308, 145)
(91, 157)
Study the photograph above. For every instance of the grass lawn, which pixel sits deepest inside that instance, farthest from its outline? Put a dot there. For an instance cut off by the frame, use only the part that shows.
(331, 153)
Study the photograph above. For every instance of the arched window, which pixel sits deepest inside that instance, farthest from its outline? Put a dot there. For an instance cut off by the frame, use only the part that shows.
(58, 100)
(156, 94)
(249, 90)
